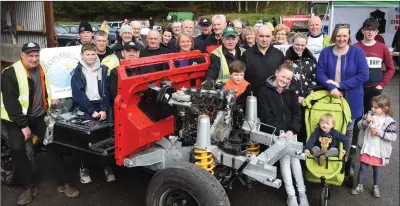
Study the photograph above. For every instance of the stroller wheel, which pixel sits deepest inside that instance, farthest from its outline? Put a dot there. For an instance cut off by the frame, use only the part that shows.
(324, 196)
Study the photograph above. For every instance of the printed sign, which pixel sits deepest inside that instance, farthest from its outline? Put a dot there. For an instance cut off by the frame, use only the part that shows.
(59, 63)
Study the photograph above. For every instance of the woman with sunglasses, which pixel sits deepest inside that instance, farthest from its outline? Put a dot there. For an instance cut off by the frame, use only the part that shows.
(343, 69)
(304, 64)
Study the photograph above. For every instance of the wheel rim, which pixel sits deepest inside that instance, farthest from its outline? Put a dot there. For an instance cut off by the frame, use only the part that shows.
(6, 161)
(177, 197)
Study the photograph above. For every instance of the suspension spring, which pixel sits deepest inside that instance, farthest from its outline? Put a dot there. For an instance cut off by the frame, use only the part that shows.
(205, 160)
(253, 148)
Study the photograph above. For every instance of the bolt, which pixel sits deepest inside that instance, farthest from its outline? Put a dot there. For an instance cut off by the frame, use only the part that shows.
(174, 204)
(184, 202)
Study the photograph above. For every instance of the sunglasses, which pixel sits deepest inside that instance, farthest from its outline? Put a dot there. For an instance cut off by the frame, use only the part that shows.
(342, 26)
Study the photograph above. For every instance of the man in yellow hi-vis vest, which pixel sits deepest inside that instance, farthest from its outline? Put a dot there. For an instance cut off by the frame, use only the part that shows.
(106, 54)
(222, 56)
(25, 99)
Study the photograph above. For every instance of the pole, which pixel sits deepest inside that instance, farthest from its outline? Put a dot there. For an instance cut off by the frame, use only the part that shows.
(49, 21)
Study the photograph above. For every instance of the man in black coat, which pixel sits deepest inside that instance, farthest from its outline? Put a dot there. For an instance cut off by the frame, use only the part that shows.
(261, 60)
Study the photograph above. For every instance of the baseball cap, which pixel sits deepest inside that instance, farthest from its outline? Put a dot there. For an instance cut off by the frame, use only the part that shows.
(229, 31)
(30, 46)
(85, 26)
(132, 45)
(205, 22)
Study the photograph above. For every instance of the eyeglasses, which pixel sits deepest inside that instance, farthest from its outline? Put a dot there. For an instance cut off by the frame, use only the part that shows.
(342, 26)
(369, 29)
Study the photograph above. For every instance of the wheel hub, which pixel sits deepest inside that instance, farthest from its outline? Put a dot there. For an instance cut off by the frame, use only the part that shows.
(177, 197)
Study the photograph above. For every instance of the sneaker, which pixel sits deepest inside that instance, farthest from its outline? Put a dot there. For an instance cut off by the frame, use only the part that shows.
(321, 160)
(27, 196)
(68, 190)
(84, 175)
(303, 199)
(375, 191)
(359, 189)
(292, 200)
(110, 177)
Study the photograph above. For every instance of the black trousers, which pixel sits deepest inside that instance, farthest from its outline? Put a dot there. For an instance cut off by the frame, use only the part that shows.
(368, 94)
(22, 165)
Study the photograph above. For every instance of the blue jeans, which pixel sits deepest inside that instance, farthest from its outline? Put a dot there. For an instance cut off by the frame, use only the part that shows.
(351, 125)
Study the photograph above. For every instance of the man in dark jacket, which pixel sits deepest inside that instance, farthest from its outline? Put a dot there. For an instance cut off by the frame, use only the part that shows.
(205, 24)
(131, 50)
(153, 49)
(215, 39)
(187, 28)
(85, 35)
(261, 60)
(24, 103)
(126, 33)
(105, 54)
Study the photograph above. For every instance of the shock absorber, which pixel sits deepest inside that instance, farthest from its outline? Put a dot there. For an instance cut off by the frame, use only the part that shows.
(205, 160)
(253, 148)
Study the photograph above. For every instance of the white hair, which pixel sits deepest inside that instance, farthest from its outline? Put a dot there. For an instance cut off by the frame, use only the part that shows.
(176, 23)
(137, 23)
(218, 16)
(237, 21)
(187, 21)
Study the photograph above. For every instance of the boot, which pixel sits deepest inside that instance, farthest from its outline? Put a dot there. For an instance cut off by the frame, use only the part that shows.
(27, 196)
(375, 192)
(68, 190)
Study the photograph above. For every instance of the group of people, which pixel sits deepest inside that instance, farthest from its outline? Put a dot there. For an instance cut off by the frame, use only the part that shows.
(242, 58)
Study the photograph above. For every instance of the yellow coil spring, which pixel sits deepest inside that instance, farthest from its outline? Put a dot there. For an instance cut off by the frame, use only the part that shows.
(253, 148)
(205, 160)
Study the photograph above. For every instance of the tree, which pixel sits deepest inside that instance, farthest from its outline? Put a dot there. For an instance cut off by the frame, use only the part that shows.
(239, 6)
(256, 6)
(246, 6)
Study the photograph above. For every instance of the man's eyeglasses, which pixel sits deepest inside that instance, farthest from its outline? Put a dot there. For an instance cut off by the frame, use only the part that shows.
(342, 26)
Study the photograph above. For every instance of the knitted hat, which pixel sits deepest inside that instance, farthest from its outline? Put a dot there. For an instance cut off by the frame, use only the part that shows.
(85, 26)
(125, 28)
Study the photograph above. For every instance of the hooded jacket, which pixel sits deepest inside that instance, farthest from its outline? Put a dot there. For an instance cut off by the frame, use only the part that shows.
(387, 135)
(279, 110)
(304, 74)
(83, 90)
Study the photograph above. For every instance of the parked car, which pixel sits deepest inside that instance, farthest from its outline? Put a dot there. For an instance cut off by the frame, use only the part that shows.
(115, 24)
(74, 29)
(63, 37)
(258, 24)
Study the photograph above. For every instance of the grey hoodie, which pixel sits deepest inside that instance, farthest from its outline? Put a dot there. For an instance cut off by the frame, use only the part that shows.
(92, 76)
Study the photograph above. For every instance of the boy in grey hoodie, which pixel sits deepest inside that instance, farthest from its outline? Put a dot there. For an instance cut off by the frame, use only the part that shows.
(90, 85)
(90, 92)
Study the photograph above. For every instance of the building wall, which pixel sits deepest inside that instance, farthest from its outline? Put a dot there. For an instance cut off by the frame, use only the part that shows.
(29, 15)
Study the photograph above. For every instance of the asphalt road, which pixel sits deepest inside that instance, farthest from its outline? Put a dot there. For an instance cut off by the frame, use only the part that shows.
(130, 187)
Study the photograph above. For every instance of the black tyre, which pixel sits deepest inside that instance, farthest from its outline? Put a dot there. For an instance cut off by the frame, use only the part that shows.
(185, 184)
(8, 175)
(324, 196)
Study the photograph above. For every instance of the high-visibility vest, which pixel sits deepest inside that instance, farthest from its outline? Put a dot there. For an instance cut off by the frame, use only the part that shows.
(23, 86)
(111, 61)
(223, 75)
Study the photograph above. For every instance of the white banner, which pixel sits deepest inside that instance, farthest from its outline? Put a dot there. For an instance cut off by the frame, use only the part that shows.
(58, 64)
(355, 16)
(283, 48)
